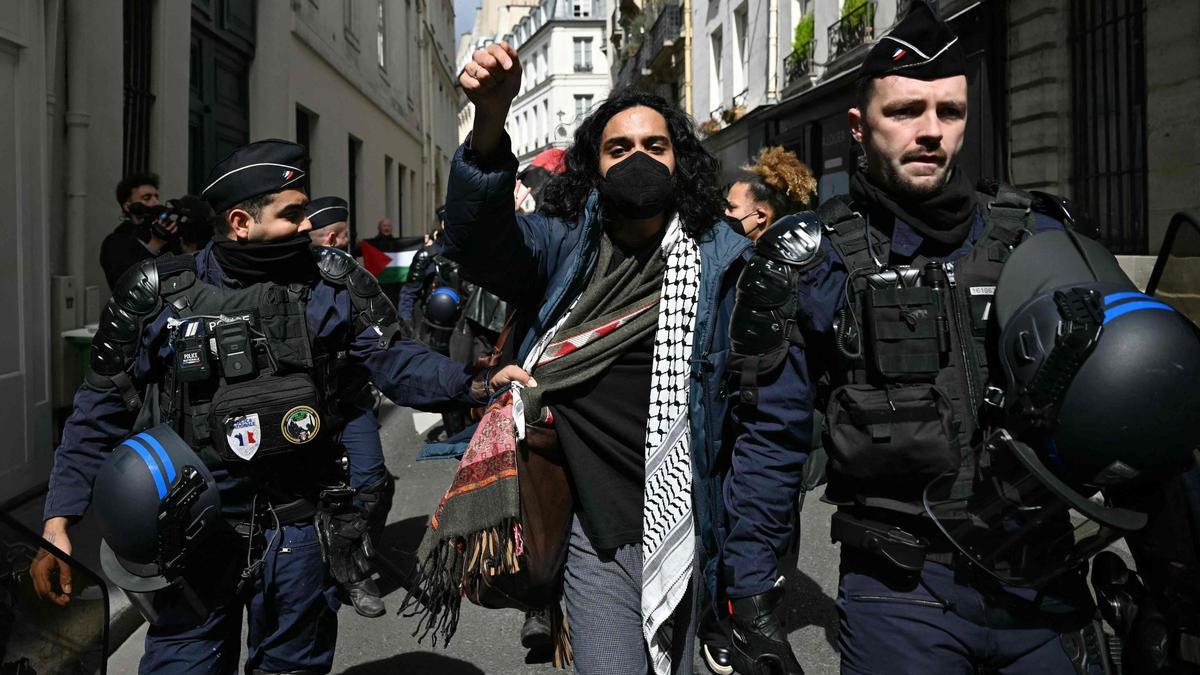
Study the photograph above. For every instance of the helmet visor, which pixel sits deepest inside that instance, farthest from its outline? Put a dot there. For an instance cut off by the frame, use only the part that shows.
(1020, 522)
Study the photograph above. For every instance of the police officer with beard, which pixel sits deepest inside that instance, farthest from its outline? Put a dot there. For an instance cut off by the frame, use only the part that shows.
(253, 351)
(876, 310)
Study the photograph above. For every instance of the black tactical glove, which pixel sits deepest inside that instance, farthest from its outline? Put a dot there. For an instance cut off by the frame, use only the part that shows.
(760, 646)
(345, 546)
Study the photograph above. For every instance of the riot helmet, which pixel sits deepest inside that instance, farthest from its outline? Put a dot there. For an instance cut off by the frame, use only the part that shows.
(1099, 393)
(442, 307)
(156, 502)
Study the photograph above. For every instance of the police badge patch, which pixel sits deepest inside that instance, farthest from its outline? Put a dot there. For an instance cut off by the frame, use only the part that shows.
(243, 435)
(300, 424)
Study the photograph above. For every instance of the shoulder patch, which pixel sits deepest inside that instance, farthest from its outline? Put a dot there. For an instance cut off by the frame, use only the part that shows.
(794, 239)
(334, 264)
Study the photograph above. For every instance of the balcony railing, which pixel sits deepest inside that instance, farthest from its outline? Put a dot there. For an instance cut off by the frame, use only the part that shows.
(798, 64)
(665, 30)
(852, 30)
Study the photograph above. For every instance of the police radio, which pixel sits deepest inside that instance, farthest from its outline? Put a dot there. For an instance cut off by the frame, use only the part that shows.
(235, 349)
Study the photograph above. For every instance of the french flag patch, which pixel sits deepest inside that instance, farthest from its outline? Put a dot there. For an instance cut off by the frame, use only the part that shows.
(287, 175)
(898, 54)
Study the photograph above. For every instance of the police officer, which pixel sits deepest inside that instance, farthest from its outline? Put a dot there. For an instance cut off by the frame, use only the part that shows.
(876, 309)
(251, 350)
(369, 478)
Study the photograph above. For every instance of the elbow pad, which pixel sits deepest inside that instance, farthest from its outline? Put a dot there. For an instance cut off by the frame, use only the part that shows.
(114, 348)
(764, 320)
(372, 309)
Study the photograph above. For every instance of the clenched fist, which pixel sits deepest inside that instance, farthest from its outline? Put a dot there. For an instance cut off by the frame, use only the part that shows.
(491, 81)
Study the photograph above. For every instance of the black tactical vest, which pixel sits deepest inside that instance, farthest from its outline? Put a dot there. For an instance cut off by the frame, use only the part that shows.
(249, 384)
(906, 399)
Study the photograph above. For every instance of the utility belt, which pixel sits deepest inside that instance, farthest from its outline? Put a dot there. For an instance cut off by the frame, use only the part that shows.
(906, 547)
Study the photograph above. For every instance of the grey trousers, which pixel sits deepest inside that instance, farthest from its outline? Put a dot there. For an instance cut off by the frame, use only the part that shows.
(602, 591)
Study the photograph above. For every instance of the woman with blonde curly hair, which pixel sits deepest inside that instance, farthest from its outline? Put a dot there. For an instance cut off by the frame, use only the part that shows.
(776, 184)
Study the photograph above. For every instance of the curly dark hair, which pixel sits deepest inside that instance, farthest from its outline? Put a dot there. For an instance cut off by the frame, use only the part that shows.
(698, 198)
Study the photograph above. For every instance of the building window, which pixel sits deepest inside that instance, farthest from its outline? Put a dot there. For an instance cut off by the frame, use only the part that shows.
(353, 153)
(350, 22)
(581, 9)
(305, 121)
(583, 55)
(741, 59)
(381, 39)
(1108, 100)
(714, 75)
(583, 103)
(139, 21)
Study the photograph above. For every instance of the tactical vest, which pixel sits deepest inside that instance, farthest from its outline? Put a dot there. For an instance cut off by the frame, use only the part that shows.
(249, 384)
(908, 391)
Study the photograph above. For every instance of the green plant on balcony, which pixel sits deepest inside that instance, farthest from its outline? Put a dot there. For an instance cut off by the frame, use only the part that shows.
(803, 36)
(731, 115)
(852, 17)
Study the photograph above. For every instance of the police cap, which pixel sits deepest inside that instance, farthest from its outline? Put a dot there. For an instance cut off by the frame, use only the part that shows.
(256, 169)
(921, 46)
(325, 211)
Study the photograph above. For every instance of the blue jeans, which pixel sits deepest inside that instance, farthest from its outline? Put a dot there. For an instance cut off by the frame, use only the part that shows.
(898, 624)
(292, 618)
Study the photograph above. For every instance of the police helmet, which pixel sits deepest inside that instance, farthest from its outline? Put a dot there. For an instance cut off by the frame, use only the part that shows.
(443, 307)
(1099, 395)
(155, 501)
(1107, 373)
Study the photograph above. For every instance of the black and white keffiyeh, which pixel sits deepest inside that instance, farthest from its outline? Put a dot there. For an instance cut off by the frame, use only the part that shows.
(668, 543)
(668, 540)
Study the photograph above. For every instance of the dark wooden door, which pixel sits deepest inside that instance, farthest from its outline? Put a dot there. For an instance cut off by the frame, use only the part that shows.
(219, 111)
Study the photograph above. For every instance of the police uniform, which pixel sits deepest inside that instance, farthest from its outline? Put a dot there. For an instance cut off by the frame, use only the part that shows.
(855, 312)
(263, 411)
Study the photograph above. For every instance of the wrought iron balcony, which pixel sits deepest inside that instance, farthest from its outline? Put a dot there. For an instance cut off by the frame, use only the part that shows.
(798, 64)
(852, 30)
(665, 31)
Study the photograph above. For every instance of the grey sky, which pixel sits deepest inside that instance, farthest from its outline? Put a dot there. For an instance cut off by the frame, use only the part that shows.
(464, 16)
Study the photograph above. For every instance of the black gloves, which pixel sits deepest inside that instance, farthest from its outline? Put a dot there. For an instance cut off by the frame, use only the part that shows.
(760, 646)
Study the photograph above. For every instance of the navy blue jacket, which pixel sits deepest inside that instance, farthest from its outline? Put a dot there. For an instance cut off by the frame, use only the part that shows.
(540, 264)
(771, 440)
(407, 372)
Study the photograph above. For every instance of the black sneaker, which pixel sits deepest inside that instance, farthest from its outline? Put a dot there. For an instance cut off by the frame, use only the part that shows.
(536, 634)
(365, 597)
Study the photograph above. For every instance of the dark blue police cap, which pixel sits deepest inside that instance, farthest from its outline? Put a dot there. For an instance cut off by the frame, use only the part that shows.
(256, 169)
(325, 211)
(921, 46)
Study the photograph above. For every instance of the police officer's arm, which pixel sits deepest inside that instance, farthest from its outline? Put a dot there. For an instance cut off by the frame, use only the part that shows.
(406, 371)
(772, 437)
(127, 352)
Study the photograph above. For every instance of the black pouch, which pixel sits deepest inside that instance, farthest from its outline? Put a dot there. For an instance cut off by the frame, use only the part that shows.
(271, 415)
(904, 334)
(888, 434)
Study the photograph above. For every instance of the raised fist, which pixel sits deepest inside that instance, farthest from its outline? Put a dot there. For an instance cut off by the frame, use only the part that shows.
(492, 78)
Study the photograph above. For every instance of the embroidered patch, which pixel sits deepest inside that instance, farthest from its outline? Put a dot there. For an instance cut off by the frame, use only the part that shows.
(243, 435)
(300, 424)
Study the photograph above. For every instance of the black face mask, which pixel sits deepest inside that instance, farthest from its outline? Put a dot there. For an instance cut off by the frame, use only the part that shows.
(739, 225)
(281, 262)
(638, 187)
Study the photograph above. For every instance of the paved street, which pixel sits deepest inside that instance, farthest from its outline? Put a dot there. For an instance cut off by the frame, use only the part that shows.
(487, 640)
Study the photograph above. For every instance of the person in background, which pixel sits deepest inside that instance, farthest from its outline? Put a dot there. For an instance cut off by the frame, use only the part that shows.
(776, 184)
(329, 216)
(136, 237)
(373, 484)
(385, 239)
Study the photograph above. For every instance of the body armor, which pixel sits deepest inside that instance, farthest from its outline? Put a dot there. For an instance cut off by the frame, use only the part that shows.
(248, 381)
(911, 380)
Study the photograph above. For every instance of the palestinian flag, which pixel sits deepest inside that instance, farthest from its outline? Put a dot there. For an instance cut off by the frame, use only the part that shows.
(390, 267)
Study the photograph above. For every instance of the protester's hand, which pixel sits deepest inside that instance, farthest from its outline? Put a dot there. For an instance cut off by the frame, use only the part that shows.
(492, 79)
(45, 567)
(509, 374)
